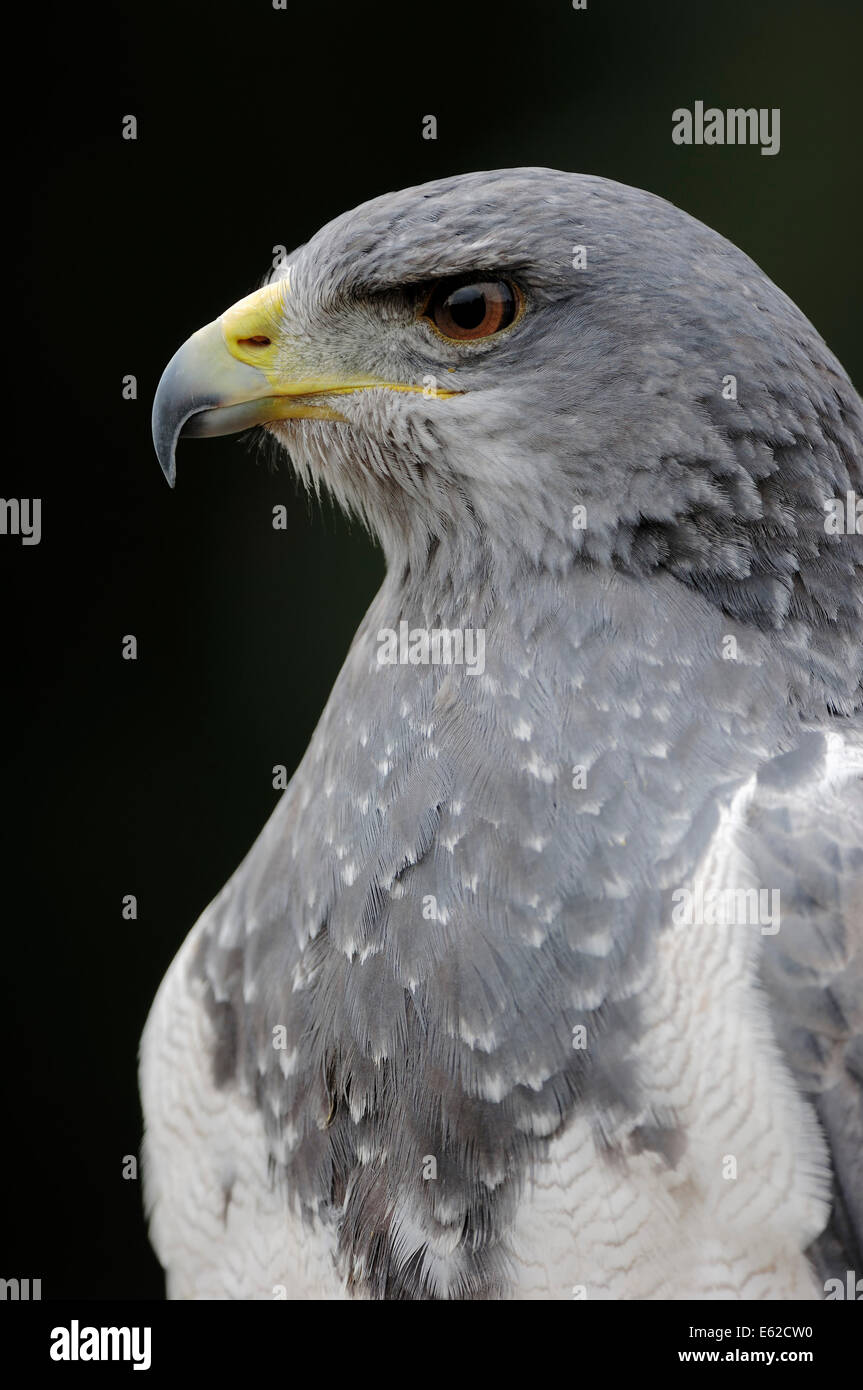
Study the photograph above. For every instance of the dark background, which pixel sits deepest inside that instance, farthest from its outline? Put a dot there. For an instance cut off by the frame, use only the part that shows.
(257, 126)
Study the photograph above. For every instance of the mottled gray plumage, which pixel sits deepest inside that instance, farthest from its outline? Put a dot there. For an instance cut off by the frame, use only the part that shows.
(452, 1035)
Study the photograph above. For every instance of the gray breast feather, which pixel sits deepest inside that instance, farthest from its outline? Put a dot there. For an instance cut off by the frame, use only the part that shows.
(434, 908)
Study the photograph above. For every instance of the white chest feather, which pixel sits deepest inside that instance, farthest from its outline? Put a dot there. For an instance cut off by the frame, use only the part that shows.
(730, 1220)
(219, 1226)
(733, 1216)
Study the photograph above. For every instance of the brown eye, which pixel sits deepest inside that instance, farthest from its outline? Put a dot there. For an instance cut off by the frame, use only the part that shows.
(472, 311)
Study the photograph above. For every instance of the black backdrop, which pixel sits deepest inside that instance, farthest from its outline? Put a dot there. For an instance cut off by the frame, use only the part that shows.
(255, 127)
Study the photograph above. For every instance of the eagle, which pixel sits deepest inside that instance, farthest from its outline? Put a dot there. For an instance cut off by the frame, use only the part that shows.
(544, 980)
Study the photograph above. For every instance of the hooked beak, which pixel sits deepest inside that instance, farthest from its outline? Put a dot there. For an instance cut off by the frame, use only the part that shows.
(241, 371)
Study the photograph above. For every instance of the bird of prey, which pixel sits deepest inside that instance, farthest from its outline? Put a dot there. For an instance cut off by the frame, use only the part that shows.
(543, 981)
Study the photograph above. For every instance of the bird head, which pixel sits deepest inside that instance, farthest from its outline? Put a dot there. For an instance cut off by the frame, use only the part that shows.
(543, 368)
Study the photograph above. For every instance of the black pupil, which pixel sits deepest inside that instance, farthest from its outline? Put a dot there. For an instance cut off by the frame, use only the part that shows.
(467, 306)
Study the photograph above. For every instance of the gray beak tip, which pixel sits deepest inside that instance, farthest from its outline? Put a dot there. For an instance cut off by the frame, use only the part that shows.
(165, 443)
(205, 391)
(171, 409)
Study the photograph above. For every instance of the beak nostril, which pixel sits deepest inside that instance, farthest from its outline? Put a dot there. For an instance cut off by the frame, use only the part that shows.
(259, 340)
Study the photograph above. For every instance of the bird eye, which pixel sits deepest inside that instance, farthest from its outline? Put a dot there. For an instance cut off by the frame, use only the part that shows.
(472, 311)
